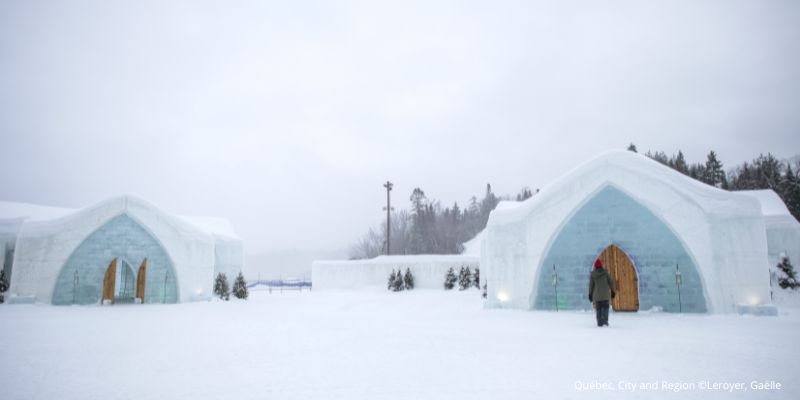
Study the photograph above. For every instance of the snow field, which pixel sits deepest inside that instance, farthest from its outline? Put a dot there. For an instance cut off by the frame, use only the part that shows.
(423, 344)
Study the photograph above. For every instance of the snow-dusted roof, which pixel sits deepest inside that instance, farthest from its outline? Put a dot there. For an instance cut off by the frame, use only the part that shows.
(771, 203)
(34, 212)
(11, 210)
(213, 225)
(711, 199)
(508, 205)
(472, 247)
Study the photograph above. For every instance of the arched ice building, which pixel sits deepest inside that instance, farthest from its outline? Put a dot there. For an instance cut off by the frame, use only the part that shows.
(121, 250)
(669, 241)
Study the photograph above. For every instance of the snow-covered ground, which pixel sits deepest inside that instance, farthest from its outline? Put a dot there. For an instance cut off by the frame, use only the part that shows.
(423, 344)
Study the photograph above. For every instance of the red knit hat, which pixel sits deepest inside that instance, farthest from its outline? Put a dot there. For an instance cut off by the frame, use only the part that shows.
(598, 264)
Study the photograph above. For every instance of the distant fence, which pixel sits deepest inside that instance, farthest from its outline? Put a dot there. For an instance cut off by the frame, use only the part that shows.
(279, 284)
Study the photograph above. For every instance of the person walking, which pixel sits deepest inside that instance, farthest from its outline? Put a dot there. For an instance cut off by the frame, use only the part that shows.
(601, 290)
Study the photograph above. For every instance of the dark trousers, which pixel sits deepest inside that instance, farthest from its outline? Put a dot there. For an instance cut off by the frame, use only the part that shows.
(601, 308)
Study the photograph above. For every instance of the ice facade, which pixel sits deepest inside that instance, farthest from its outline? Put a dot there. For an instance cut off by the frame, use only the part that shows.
(81, 279)
(612, 217)
(721, 242)
(783, 231)
(228, 257)
(61, 256)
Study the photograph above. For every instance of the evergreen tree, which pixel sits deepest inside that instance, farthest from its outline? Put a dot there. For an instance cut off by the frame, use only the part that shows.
(743, 177)
(397, 285)
(392, 278)
(474, 206)
(3, 285)
(714, 175)
(240, 287)
(790, 280)
(221, 287)
(767, 171)
(488, 204)
(789, 191)
(697, 171)
(524, 194)
(476, 279)
(680, 164)
(450, 279)
(420, 229)
(408, 280)
(659, 156)
(472, 218)
(632, 147)
(464, 278)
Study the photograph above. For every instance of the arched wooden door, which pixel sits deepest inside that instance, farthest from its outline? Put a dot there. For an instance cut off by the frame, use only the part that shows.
(620, 266)
(140, 279)
(109, 282)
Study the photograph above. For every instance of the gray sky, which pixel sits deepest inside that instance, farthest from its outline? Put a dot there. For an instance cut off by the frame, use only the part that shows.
(287, 118)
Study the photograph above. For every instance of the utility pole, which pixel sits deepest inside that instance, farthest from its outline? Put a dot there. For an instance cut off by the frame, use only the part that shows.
(388, 185)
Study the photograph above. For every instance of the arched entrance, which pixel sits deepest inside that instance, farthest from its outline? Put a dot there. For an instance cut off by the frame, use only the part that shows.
(612, 216)
(626, 281)
(148, 278)
(118, 283)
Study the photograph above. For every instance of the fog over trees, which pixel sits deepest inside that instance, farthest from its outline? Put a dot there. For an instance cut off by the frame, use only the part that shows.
(428, 228)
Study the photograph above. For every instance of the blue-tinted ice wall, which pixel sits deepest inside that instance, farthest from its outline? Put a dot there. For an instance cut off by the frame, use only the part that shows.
(122, 237)
(613, 217)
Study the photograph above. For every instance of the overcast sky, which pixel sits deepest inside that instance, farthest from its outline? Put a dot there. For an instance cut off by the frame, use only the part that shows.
(287, 116)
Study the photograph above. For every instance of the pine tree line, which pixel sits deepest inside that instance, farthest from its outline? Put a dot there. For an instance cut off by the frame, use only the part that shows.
(429, 228)
(763, 172)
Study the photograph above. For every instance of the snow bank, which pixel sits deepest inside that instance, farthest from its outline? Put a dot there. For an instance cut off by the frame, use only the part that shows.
(424, 344)
(12, 210)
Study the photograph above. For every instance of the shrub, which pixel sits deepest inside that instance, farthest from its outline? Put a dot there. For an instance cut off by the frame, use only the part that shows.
(450, 279)
(464, 278)
(221, 287)
(240, 287)
(408, 280)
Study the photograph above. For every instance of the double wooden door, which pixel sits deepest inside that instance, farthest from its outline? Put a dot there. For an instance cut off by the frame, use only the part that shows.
(110, 281)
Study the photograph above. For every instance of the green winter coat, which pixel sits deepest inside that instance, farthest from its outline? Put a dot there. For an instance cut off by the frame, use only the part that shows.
(601, 286)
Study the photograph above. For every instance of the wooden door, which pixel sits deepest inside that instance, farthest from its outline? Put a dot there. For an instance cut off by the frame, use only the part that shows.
(140, 279)
(109, 282)
(620, 266)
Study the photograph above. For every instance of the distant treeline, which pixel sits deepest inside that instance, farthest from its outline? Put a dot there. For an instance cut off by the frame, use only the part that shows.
(763, 172)
(427, 228)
